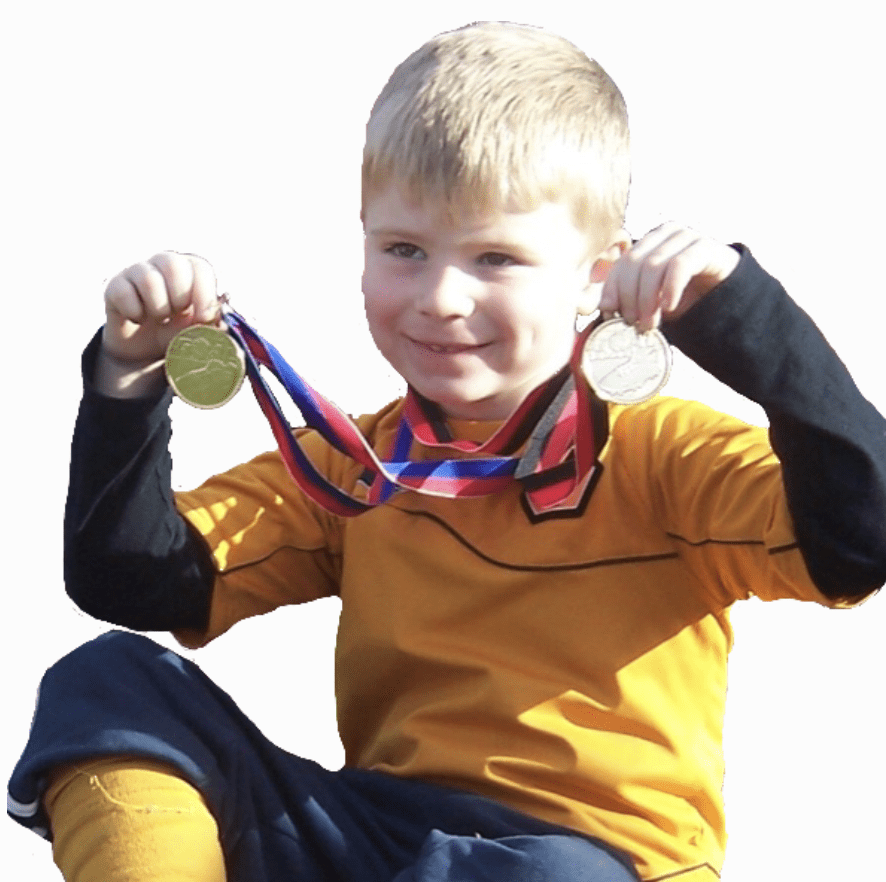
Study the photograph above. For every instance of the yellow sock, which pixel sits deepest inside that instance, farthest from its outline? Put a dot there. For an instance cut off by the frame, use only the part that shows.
(131, 820)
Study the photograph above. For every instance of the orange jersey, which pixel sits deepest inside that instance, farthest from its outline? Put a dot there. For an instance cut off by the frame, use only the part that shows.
(573, 668)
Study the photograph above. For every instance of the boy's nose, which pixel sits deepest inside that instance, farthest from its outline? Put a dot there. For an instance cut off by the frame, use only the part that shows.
(450, 294)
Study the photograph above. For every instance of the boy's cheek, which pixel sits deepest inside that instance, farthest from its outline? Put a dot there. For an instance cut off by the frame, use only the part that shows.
(373, 279)
(373, 301)
(379, 315)
(365, 279)
(370, 266)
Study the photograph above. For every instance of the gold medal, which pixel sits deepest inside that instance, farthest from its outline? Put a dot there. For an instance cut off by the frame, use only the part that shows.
(204, 366)
(624, 365)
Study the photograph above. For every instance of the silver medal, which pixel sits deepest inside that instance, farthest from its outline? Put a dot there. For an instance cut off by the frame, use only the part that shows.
(623, 365)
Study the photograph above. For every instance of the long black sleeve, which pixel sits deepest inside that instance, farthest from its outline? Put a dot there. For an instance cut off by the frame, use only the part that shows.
(830, 440)
(130, 558)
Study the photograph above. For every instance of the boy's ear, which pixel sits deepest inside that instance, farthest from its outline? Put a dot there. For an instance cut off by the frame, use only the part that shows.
(609, 255)
(600, 268)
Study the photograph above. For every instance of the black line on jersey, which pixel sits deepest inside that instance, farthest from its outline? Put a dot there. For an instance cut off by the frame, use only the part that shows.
(538, 568)
(678, 873)
(778, 549)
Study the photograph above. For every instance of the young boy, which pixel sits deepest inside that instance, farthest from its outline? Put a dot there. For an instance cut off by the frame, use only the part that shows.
(529, 686)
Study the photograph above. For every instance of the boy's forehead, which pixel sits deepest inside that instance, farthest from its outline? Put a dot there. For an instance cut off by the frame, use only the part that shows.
(397, 195)
(408, 205)
(463, 212)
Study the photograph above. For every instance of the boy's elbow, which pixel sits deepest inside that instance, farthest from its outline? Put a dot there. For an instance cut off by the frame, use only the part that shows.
(140, 593)
(99, 590)
(848, 573)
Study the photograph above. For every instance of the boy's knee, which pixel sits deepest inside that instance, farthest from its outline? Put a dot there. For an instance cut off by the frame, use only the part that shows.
(107, 656)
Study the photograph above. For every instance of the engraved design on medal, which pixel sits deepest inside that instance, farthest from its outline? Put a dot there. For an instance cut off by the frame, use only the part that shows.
(623, 365)
(204, 366)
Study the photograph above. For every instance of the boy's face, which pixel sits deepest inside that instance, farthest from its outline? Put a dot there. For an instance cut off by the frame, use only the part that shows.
(474, 312)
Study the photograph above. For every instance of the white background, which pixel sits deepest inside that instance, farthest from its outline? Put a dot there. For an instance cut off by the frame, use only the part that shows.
(234, 131)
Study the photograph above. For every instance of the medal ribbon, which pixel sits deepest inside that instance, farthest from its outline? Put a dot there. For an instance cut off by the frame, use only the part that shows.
(554, 423)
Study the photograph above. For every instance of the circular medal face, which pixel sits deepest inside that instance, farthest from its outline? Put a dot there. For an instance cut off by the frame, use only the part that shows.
(204, 366)
(624, 365)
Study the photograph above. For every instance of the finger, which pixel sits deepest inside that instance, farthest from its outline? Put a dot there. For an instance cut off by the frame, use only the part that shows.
(609, 294)
(622, 280)
(646, 310)
(692, 262)
(204, 293)
(633, 286)
(123, 301)
(191, 284)
(703, 266)
(663, 276)
(654, 239)
(177, 273)
(150, 287)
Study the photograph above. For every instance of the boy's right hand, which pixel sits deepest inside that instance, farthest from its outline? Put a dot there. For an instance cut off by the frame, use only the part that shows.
(146, 305)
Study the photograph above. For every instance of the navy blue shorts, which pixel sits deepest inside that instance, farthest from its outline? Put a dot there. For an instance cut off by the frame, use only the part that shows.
(281, 817)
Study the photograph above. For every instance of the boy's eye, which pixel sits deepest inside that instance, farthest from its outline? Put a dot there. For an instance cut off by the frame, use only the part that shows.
(494, 258)
(405, 250)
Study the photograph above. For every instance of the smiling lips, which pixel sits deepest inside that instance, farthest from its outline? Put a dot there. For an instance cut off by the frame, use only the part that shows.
(447, 348)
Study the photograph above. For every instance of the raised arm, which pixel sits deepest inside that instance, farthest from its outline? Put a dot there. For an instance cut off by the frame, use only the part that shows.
(130, 558)
(746, 331)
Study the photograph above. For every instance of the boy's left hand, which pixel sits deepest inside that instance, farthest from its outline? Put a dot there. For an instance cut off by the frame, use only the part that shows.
(664, 275)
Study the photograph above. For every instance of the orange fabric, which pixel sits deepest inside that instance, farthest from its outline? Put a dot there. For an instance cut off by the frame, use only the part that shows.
(131, 820)
(572, 668)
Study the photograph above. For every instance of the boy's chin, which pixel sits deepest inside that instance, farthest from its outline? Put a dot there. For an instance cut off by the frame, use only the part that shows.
(474, 402)
(479, 409)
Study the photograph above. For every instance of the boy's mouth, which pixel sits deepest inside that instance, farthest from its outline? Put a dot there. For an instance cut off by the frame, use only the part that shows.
(446, 348)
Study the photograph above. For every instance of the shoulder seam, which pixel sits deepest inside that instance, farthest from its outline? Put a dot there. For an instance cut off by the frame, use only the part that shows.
(695, 543)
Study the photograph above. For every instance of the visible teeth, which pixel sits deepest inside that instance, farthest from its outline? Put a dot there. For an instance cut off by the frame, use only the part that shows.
(445, 348)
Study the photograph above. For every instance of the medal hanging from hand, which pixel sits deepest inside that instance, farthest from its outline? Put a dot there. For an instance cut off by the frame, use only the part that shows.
(554, 426)
(204, 366)
(624, 365)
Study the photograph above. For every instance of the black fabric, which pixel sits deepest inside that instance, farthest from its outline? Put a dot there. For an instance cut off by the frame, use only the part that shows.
(831, 441)
(130, 558)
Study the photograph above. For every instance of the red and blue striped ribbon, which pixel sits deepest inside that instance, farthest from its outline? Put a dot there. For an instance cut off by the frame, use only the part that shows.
(559, 460)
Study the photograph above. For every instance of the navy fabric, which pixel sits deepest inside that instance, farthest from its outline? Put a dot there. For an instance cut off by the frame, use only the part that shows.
(279, 816)
(446, 858)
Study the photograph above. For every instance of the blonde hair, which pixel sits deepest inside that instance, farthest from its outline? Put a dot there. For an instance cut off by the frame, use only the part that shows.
(496, 116)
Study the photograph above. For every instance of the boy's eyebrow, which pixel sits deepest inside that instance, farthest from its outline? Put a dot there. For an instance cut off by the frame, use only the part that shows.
(392, 231)
(516, 248)
(493, 243)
